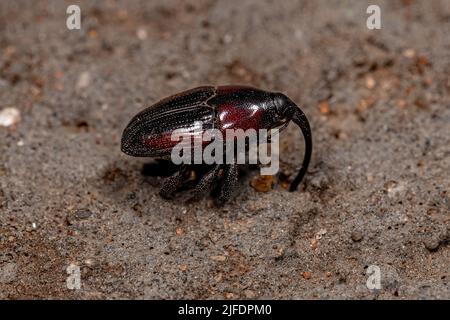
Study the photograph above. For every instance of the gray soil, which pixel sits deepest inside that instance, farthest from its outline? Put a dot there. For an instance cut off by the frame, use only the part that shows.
(377, 192)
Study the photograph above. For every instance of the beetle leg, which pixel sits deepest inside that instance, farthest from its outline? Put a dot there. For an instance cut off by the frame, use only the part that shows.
(172, 183)
(206, 182)
(228, 185)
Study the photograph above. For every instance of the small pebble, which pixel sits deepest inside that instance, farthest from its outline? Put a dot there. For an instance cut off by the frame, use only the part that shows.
(84, 80)
(324, 107)
(394, 188)
(432, 244)
(141, 33)
(183, 267)
(179, 231)
(357, 236)
(370, 83)
(409, 53)
(314, 244)
(319, 181)
(89, 262)
(80, 214)
(341, 135)
(401, 103)
(9, 117)
(262, 183)
(321, 233)
(306, 275)
(227, 38)
(218, 258)
(93, 33)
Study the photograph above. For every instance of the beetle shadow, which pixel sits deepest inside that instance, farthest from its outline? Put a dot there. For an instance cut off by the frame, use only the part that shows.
(120, 180)
(185, 194)
(125, 183)
(159, 168)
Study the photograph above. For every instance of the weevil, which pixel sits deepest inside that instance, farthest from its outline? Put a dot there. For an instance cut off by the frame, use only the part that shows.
(149, 133)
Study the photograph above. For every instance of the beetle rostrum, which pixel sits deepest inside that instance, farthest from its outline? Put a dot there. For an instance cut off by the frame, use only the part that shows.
(149, 133)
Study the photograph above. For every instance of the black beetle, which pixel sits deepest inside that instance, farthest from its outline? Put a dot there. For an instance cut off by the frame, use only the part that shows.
(225, 107)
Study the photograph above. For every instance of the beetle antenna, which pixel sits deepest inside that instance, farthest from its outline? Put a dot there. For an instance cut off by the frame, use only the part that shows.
(300, 119)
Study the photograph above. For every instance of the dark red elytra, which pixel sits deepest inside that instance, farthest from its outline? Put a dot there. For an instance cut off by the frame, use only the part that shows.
(225, 107)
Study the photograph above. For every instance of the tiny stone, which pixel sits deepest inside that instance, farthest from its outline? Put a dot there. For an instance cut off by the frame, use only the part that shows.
(314, 244)
(218, 258)
(321, 233)
(227, 38)
(183, 267)
(141, 33)
(342, 135)
(9, 117)
(84, 80)
(409, 53)
(432, 244)
(89, 262)
(93, 33)
(401, 103)
(83, 214)
(306, 275)
(320, 181)
(357, 236)
(370, 83)
(324, 107)
(80, 214)
(262, 183)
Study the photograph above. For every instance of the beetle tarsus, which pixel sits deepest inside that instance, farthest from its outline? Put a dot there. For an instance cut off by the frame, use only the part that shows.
(172, 183)
(229, 183)
(206, 182)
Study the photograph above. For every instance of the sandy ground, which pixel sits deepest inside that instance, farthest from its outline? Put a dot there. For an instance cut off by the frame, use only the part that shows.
(377, 192)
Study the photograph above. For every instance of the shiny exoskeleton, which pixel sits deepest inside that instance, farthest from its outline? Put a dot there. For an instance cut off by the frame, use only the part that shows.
(225, 107)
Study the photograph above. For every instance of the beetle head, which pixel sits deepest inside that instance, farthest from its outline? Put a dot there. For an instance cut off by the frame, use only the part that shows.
(284, 106)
